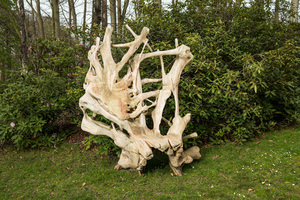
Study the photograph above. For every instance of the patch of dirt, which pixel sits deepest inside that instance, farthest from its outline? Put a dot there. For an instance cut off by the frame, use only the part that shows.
(78, 136)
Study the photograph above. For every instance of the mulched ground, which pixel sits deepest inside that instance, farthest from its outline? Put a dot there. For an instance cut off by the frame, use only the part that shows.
(78, 136)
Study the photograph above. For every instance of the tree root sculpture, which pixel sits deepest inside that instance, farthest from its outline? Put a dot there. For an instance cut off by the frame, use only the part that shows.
(122, 101)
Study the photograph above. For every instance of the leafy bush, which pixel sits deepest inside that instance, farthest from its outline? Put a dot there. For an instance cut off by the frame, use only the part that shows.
(236, 103)
(28, 105)
(243, 79)
(38, 101)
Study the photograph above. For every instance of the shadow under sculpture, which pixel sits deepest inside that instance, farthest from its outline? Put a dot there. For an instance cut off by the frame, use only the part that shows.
(122, 101)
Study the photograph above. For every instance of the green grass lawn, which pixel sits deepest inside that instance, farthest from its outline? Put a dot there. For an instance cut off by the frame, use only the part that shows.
(265, 168)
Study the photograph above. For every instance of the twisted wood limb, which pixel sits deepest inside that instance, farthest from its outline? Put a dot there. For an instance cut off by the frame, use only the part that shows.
(123, 102)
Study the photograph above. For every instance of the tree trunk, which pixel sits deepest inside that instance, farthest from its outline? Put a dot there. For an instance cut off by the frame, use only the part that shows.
(96, 16)
(53, 23)
(121, 14)
(55, 12)
(84, 14)
(23, 33)
(32, 24)
(84, 20)
(119, 10)
(70, 23)
(40, 19)
(70, 14)
(93, 13)
(73, 12)
(294, 9)
(104, 14)
(97, 12)
(113, 16)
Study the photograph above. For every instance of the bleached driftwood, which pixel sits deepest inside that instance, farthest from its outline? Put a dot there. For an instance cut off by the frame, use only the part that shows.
(122, 101)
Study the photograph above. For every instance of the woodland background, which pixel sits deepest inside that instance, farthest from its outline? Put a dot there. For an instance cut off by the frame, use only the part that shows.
(244, 78)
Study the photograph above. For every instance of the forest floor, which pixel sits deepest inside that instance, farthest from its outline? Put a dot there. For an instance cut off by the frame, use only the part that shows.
(263, 168)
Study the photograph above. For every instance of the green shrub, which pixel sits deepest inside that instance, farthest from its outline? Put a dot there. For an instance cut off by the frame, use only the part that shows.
(38, 101)
(243, 79)
(282, 84)
(28, 104)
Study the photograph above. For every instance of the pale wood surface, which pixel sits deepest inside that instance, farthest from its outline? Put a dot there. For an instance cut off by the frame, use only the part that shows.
(122, 101)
